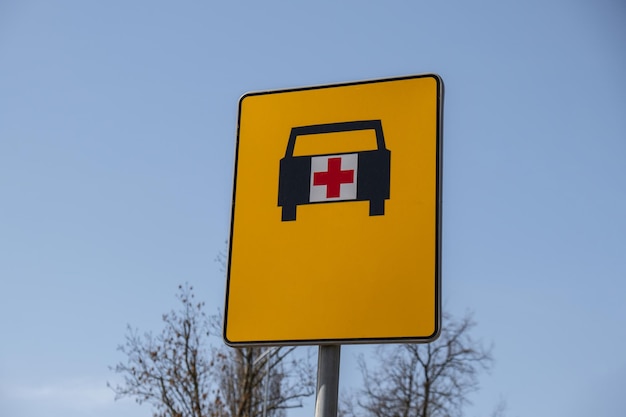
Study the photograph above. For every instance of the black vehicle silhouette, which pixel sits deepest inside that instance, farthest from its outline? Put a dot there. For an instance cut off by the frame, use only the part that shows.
(372, 178)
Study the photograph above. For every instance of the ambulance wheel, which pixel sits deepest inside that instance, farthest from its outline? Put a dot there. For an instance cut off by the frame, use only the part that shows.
(289, 213)
(377, 207)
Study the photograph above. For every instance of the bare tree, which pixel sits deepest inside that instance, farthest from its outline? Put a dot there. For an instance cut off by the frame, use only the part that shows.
(265, 382)
(181, 374)
(423, 380)
(173, 371)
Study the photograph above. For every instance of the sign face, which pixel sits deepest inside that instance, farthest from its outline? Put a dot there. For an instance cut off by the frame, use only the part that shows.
(335, 229)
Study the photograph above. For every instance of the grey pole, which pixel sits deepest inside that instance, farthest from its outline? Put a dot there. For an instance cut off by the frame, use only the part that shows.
(327, 381)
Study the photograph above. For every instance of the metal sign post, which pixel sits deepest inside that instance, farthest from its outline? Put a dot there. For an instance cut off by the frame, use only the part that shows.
(336, 186)
(327, 395)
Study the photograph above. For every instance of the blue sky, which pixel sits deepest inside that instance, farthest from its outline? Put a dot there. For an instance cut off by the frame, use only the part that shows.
(117, 137)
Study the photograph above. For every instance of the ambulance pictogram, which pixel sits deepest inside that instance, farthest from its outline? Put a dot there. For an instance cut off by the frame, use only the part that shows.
(354, 176)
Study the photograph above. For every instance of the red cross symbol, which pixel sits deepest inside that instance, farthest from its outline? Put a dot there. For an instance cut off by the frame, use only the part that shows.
(333, 178)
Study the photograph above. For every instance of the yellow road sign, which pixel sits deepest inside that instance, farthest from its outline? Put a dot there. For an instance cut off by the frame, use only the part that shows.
(335, 229)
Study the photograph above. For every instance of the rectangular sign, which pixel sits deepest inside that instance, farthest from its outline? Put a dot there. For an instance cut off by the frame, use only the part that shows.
(335, 229)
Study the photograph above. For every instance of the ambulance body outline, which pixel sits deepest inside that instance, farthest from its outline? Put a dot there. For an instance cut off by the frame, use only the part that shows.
(372, 179)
